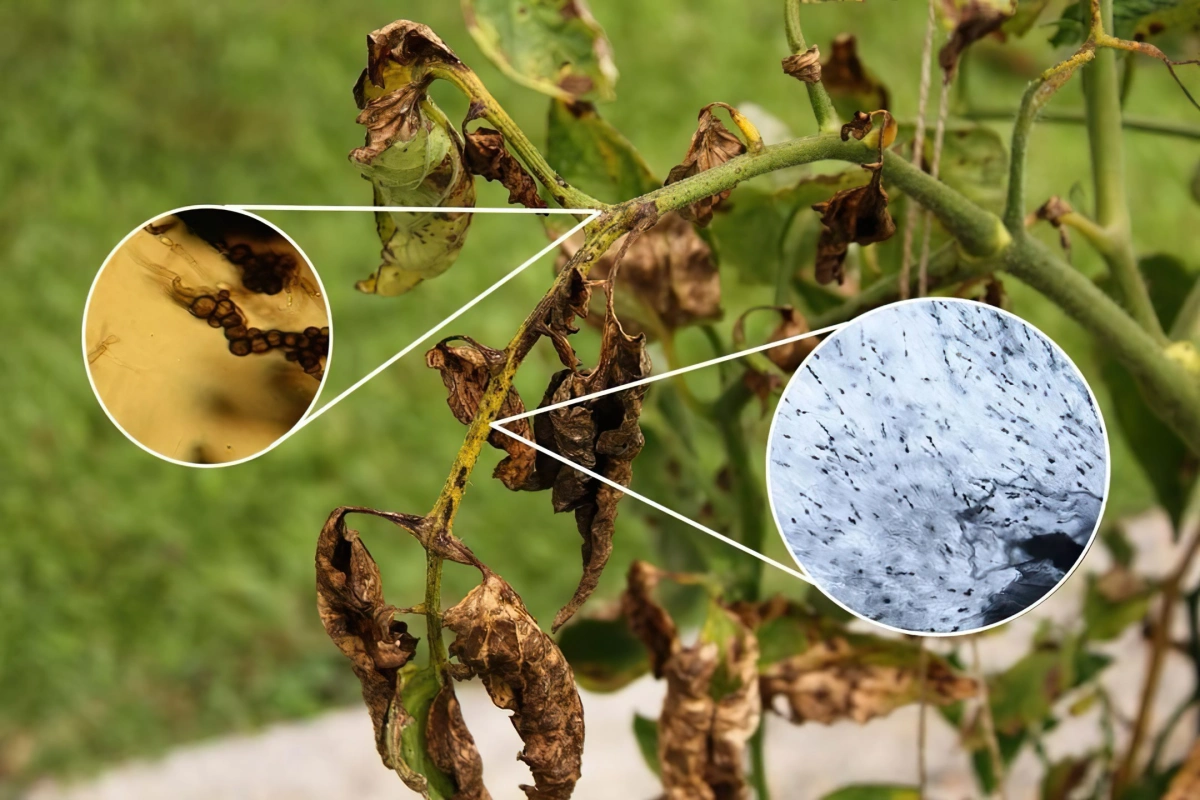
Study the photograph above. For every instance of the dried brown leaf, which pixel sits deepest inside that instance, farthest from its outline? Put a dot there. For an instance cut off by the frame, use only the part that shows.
(524, 672)
(1053, 211)
(1186, 784)
(686, 723)
(668, 277)
(487, 156)
(762, 385)
(804, 66)
(403, 44)
(972, 22)
(452, 748)
(712, 145)
(833, 679)
(737, 717)
(602, 435)
(787, 357)
(466, 370)
(648, 620)
(858, 127)
(350, 602)
(844, 75)
(391, 118)
(852, 216)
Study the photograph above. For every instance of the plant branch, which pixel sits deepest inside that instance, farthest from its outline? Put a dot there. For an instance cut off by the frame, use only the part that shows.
(485, 106)
(1102, 98)
(822, 106)
(1139, 124)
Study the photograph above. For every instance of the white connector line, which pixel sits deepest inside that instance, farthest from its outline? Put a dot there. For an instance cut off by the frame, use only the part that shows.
(686, 520)
(499, 424)
(421, 209)
(669, 374)
(429, 333)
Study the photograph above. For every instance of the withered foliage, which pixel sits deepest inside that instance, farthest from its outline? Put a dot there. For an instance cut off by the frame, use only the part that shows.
(788, 357)
(844, 75)
(1053, 211)
(972, 22)
(602, 435)
(452, 748)
(852, 216)
(858, 127)
(350, 602)
(496, 640)
(1186, 784)
(524, 672)
(487, 156)
(466, 369)
(839, 675)
(391, 118)
(712, 145)
(712, 707)
(804, 66)
(668, 280)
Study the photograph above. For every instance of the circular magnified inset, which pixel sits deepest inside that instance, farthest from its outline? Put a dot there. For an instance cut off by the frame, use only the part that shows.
(938, 466)
(206, 336)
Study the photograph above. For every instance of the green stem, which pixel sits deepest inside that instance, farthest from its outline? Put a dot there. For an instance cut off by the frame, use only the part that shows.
(1139, 124)
(1168, 388)
(758, 762)
(818, 98)
(1187, 321)
(1102, 99)
(747, 492)
(484, 105)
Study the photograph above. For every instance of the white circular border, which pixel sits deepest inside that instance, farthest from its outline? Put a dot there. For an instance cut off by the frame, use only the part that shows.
(1103, 503)
(328, 358)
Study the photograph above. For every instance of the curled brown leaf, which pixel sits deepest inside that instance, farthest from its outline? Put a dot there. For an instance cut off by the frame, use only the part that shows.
(852, 216)
(403, 44)
(792, 323)
(844, 75)
(669, 278)
(712, 145)
(350, 602)
(389, 119)
(836, 678)
(971, 23)
(487, 156)
(452, 747)
(466, 369)
(804, 66)
(524, 672)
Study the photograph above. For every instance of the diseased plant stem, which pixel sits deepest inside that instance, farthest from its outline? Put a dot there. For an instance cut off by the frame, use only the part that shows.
(1141, 124)
(822, 106)
(1160, 644)
(1102, 99)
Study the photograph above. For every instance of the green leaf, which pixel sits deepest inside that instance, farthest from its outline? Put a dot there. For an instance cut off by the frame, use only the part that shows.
(1109, 608)
(427, 170)
(604, 654)
(553, 46)
(593, 155)
(875, 792)
(1132, 19)
(418, 688)
(645, 731)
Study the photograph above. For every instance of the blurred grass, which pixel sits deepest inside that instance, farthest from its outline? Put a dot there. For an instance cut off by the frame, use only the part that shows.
(145, 604)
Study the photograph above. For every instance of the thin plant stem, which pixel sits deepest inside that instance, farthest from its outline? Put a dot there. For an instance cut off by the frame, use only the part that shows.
(1138, 124)
(758, 762)
(818, 98)
(939, 139)
(918, 149)
(986, 719)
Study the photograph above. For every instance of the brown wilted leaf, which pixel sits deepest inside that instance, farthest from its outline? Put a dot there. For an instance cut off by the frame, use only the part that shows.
(350, 602)
(524, 672)
(1186, 784)
(486, 155)
(668, 276)
(465, 371)
(452, 748)
(602, 435)
(389, 119)
(712, 145)
(787, 357)
(712, 707)
(1053, 211)
(845, 677)
(971, 23)
(804, 66)
(762, 385)
(858, 127)
(403, 44)
(852, 216)
(844, 75)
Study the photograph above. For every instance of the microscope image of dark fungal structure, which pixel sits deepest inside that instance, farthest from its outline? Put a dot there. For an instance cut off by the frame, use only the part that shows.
(937, 466)
(207, 335)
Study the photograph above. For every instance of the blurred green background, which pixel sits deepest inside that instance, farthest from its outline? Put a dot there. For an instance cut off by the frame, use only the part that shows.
(144, 604)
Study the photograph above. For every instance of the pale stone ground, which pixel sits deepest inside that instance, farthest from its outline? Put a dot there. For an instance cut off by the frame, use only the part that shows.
(333, 756)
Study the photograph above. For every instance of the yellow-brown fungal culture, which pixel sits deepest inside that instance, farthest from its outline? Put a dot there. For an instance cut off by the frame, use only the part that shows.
(207, 335)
